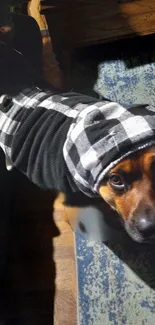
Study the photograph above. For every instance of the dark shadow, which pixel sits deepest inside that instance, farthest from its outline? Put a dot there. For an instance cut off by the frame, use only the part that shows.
(28, 285)
(21, 56)
(27, 228)
(141, 48)
(5, 211)
(28, 40)
(139, 257)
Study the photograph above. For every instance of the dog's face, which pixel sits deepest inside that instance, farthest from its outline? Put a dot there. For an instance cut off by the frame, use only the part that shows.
(129, 188)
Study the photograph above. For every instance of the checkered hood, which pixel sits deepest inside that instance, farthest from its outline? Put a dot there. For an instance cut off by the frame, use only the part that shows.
(101, 136)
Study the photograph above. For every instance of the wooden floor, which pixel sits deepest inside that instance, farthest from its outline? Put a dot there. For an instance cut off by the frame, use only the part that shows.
(64, 256)
(39, 284)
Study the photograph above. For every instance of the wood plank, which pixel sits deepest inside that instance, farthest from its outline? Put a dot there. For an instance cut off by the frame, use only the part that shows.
(83, 23)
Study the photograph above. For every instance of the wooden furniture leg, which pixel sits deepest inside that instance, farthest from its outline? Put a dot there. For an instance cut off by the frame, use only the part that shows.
(51, 69)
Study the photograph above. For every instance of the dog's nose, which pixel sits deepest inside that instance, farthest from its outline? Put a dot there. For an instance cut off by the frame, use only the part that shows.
(146, 226)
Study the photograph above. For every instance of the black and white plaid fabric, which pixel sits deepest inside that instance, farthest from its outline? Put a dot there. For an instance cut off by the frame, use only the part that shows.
(92, 136)
(101, 136)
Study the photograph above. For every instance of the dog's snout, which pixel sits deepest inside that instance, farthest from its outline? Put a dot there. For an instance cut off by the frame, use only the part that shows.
(141, 227)
(146, 225)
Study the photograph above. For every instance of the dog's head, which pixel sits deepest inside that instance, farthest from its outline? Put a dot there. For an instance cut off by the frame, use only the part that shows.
(129, 188)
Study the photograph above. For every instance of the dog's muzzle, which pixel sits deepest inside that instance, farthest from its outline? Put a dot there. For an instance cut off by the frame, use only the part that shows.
(141, 228)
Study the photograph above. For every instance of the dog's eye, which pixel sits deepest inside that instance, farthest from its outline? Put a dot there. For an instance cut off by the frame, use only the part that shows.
(116, 181)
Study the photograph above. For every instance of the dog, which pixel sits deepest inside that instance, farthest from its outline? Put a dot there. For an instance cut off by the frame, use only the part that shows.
(129, 188)
(74, 143)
